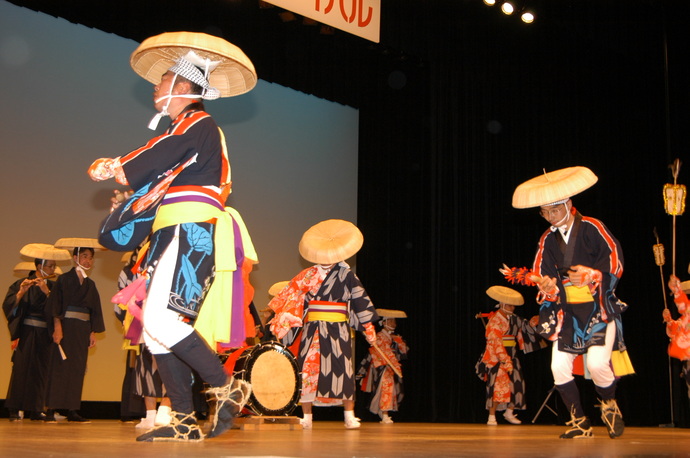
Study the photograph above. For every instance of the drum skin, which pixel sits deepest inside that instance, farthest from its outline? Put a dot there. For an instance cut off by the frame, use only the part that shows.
(273, 373)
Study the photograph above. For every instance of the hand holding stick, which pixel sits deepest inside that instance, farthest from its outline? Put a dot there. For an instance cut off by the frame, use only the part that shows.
(388, 361)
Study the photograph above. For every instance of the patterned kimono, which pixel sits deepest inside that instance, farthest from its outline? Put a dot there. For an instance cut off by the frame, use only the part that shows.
(679, 330)
(505, 335)
(679, 333)
(189, 205)
(379, 378)
(321, 306)
(577, 319)
(214, 251)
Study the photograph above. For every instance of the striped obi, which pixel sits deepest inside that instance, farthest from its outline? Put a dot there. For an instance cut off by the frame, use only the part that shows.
(334, 312)
(187, 204)
(509, 341)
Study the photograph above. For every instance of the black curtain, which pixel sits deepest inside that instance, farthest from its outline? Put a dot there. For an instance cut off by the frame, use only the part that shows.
(487, 104)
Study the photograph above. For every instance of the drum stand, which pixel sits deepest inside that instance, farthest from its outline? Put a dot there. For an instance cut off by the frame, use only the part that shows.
(545, 404)
(263, 422)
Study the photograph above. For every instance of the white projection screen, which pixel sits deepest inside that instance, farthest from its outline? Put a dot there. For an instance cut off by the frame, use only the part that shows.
(71, 97)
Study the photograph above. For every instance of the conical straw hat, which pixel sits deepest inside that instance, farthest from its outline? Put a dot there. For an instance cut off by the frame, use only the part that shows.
(330, 241)
(505, 295)
(233, 76)
(45, 251)
(277, 287)
(553, 187)
(387, 313)
(78, 242)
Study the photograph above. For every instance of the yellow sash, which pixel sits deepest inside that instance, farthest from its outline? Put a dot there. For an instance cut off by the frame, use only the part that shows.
(577, 294)
(331, 317)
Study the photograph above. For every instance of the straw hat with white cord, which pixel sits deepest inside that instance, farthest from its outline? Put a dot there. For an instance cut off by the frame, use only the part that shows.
(70, 243)
(553, 188)
(24, 267)
(45, 251)
(219, 67)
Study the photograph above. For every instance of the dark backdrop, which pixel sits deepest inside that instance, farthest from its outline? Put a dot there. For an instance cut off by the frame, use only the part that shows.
(458, 105)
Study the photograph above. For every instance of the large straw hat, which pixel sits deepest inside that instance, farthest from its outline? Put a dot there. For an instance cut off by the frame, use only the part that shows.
(330, 241)
(24, 267)
(234, 74)
(277, 287)
(45, 251)
(71, 243)
(387, 313)
(553, 187)
(505, 295)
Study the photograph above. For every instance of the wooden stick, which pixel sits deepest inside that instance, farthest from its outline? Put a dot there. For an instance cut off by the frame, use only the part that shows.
(388, 361)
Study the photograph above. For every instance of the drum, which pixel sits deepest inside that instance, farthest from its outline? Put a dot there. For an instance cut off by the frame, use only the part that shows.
(273, 373)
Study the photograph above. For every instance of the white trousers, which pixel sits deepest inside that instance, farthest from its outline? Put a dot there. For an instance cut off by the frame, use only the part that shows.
(597, 360)
(163, 327)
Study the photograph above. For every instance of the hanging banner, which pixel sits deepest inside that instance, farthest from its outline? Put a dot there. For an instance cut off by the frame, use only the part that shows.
(358, 17)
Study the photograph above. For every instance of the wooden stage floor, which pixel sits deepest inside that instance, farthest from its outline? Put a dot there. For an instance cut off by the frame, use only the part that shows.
(112, 438)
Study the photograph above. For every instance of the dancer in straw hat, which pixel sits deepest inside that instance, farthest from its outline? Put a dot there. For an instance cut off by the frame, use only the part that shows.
(24, 307)
(499, 366)
(75, 316)
(197, 245)
(381, 370)
(323, 302)
(678, 330)
(577, 268)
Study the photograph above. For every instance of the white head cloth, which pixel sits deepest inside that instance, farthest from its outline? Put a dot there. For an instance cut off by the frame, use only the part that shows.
(189, 67)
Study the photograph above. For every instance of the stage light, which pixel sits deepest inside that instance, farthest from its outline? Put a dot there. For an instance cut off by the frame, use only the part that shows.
(515, 8)
(527, 17)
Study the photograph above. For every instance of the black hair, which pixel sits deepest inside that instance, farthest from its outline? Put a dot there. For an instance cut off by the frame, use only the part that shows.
(77, 250)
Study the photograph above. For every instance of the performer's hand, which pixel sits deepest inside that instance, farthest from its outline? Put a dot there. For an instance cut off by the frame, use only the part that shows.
(534, 321)
(57, 336)
(674, 285)
(106, 168)
(23, 288)
(282, 322)
(92, 339)
(583, 275)
(101, 169)
(43, 284)
(667, 315)
(547, 284)
(548, 289)
(119, 197)
(370, 333)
